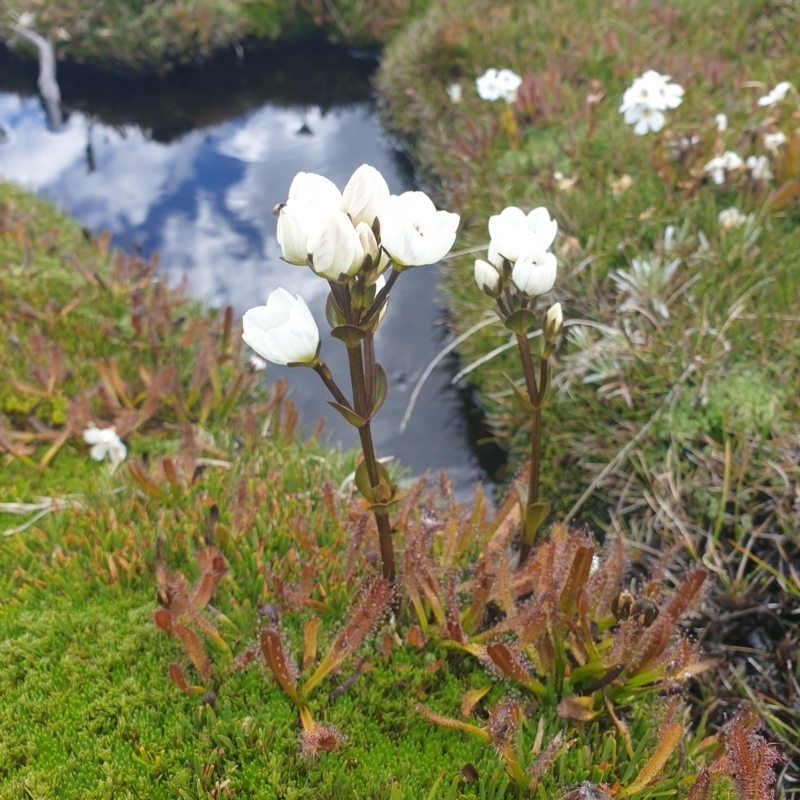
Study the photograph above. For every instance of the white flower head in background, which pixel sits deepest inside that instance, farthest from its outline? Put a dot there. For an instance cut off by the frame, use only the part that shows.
(26, 19)
(722, 122)
(454, 92)
(731, 218)
(105, 444)
(498, 84)
(776, 95)
(283, 331)
(719, 166)
(773, 141)
(646, 100)
(759, 168)
(63, 35)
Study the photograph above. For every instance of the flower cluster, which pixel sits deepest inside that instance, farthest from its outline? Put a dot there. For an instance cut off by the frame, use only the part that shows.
(350, 238)
(776, 95)
(731, 218)
(646, 100)
(519, 252)
(496, 84)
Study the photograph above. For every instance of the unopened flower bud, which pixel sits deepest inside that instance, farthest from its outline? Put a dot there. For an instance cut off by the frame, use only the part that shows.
(534, 274)
(553, 323)
(487, 278)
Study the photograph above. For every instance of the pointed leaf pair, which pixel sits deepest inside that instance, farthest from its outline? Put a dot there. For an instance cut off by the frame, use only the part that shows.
(523, 400)
(354, 419)
(521, 321)
(351, 335)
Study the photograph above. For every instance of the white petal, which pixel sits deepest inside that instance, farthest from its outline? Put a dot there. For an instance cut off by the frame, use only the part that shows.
(535, 275)
(93, 435)
(279, 308)
(294, 221)
(316, 190)
(365, 195)
(333, 246)
(544, 228)
(98, 452)
(657, 120)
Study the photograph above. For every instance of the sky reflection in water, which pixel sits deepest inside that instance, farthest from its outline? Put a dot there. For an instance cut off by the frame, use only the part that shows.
(203, 200)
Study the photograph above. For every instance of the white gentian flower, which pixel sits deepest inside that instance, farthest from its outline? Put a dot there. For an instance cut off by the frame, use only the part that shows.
(63, 35)
(496, 84)
(487, 277)
(722, 122)
(334, 248)
(365, 195)
(720, 165)
(534, 274)
(283, 331)
(772, 141)
(514, 234)
(454, 92)
(776, 95)
(105, 442)
(413, 232)
(731, 218)
(759, 168)
(25, 20)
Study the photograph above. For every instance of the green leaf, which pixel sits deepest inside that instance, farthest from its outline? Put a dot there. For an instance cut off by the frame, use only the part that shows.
(523, 400)
(381, 389)
(333, 313)
(362, 481)
(535, 515)
(354, 419)
(351, 335)
(521, 321)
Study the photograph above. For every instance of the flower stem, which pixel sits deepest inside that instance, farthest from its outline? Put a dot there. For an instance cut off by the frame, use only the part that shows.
(535, 393)
(363, 409)
(324, 372)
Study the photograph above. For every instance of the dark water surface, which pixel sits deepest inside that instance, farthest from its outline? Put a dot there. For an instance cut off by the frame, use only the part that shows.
(190, 165)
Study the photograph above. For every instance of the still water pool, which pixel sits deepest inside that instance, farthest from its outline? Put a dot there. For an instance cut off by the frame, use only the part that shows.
(190, 166)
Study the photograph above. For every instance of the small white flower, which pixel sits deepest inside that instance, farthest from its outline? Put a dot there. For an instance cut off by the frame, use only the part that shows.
(487, 277)
(105, 442)
(759, 168)
(772, 141)
(645, 119)
(63, 35)
(413, 232)
(283, 331)
(514, 234)
(454, 92)
(720, 165)
(26, 19)
(776, 95)
(722, 122)
(496, 84)
(534, 274)
(257, 363)
(365, 195)
(731, 218)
